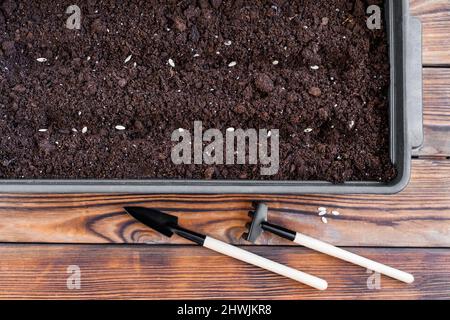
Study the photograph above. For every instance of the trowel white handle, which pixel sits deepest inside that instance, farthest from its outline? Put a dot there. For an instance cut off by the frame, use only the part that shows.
(251, 258)
(352, 258)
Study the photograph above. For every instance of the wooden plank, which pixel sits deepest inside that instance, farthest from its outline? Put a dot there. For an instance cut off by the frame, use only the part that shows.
(436, 112)
(435, 16)
(155, 272)
(418, 217)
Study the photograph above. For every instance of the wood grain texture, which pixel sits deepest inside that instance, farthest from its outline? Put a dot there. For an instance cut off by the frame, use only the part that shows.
(435, 16)
(436, 112)
(151, 272)
(418, 217)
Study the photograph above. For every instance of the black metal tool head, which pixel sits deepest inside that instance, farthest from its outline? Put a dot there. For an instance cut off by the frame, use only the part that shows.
(259, 215)
(155, 219)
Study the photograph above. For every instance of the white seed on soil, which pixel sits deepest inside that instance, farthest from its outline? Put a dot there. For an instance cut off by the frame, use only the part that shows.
(74, 130)
(315, 67)
(228, 43)
(335, 213)
(88, 58)
(120, 128)
(42, 130)
(41, 60)
(351, 124)
(171, 63)
(269, 134)
(84, 130)
(308, 130)
(324, 220)
(180, 130)
(232, 64)
(275, 62)
(230, 129)
(196, 55)
(128, 58)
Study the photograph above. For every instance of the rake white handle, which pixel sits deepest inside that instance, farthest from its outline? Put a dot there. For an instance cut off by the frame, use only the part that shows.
(251, 258)
(339, 253)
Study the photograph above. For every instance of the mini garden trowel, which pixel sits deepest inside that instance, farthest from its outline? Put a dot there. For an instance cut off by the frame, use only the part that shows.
(260, 224)
(168, 225)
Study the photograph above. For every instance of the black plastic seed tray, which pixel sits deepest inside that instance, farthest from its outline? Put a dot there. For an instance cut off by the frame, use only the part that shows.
(406, 134)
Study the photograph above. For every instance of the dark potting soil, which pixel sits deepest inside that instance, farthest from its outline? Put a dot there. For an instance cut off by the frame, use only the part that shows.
(310, 68)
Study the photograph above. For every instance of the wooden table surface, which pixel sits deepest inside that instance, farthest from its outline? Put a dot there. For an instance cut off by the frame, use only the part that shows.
(44, 236)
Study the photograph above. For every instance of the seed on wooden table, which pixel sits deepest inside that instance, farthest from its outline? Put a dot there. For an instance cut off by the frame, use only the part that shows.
(324, 220)
(322, 209)
(335, 213)
(322, 213)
